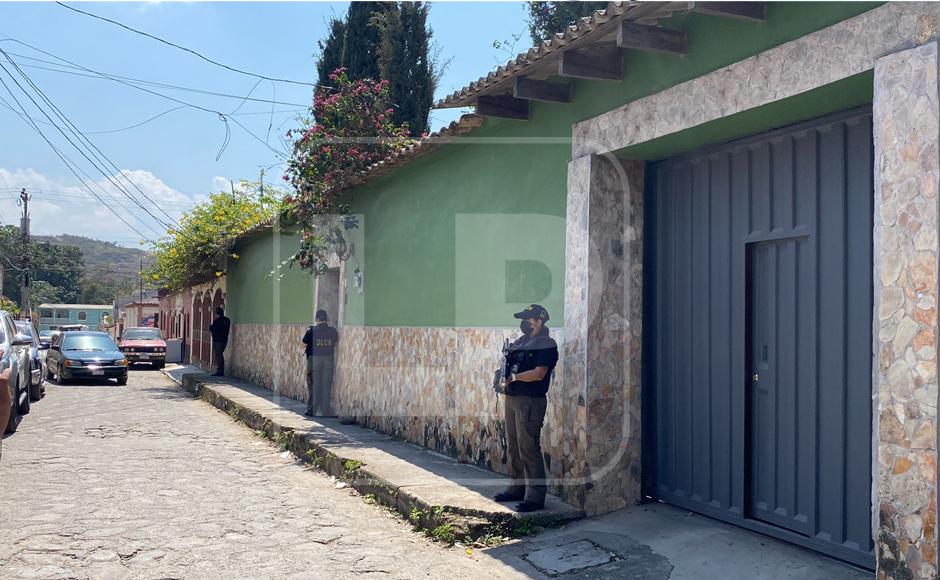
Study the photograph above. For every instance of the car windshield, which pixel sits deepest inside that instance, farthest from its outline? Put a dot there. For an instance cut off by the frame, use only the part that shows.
(24, 328)
(45, 334)
(142, 334)
(88, 342)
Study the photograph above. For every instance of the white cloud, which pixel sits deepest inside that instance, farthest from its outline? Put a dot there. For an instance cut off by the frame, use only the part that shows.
(62, 207)
(220, 184)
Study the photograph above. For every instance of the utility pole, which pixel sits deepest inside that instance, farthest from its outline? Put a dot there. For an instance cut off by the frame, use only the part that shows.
(24, 229)
(141, 276)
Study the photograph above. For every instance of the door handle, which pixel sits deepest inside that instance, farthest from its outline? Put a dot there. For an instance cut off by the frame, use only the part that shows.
(755, 378)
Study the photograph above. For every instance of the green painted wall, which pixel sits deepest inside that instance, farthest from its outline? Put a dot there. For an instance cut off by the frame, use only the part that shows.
(250, 294)
(462, 236)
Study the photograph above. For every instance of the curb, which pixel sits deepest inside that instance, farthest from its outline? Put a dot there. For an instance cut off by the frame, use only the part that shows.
(445, 523)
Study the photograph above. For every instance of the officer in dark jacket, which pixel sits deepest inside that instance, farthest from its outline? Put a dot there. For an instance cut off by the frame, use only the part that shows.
(219, 330)
(534, 356)
(320, 346)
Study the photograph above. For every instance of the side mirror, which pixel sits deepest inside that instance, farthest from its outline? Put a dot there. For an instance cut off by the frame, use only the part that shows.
(118, 337)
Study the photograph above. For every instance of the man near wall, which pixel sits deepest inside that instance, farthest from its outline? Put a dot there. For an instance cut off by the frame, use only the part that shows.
(320, 346)
(533, 358)
(219, 329)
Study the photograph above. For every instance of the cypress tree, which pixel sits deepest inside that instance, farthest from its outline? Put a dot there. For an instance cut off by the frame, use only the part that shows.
(361, 52)
(389, 41)
(331, 51)
(547, 18)
(404, 60)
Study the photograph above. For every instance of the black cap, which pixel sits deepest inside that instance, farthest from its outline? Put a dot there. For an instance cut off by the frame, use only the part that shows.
(532, 311)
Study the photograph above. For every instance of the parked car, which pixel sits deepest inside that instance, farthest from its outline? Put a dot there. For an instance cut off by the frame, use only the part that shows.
(73, 327)
(45, 339)
(14, 353)
(37, 359)
(85, 354)
(143, 344)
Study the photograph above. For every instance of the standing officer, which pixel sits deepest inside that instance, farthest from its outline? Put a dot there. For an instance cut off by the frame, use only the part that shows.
(320, 346)
(219, 330)
(534, 356)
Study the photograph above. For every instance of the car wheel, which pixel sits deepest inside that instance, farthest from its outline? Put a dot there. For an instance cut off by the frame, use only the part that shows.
(24, 407)
(14, 420)
(49, 374)
(158, 366)
(35, 391)
(122, 382)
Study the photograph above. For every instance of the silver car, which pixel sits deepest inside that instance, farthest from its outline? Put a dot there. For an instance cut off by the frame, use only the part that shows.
(14, 354)
(37, 359)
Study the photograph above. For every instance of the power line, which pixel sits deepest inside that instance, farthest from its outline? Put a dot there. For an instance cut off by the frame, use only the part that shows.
(222, 116)
(103, 75)
(68, 163)
(77, 133)
(183, 48)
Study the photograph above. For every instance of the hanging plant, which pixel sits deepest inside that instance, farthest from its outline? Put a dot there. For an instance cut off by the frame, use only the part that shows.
(349, 129)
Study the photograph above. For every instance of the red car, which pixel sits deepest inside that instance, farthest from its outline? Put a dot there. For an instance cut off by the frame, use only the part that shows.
(143, 345)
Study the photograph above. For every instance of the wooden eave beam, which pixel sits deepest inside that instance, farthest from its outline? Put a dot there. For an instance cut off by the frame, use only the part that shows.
(602, 64)
(755, 11)
(651, 38)
(536, 90)
(503, 106)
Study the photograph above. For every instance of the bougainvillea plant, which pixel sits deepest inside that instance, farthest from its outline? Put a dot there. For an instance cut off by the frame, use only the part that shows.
(204, 241)
(350, 128)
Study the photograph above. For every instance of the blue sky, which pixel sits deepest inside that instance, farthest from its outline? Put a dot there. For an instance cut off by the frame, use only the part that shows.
(173, 158)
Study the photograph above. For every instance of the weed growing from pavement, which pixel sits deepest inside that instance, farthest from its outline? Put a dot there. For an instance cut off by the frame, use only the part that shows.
(525, 527)
(415, 516)
(281, 439)
(370, 499)
(444, 533)
(350, 466)
(315, 459)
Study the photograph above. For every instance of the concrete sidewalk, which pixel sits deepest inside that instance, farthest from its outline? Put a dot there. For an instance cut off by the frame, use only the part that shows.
(432, 490)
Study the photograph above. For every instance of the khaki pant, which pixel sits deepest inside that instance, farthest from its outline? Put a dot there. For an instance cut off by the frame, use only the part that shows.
(319, 385)
(524, 418)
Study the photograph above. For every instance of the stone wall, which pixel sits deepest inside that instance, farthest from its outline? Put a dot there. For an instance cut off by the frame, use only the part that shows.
(603, 320)
(430, 386)
(907, 172)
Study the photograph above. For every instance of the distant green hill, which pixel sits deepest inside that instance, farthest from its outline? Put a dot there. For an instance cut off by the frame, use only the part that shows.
(104, 258)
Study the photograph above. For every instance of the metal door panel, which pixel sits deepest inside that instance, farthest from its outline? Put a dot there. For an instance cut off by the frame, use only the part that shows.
(797, 454)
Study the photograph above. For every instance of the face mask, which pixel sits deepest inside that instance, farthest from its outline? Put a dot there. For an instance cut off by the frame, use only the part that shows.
(525, 326)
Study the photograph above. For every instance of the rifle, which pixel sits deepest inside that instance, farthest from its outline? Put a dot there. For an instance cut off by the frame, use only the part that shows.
(505, 369)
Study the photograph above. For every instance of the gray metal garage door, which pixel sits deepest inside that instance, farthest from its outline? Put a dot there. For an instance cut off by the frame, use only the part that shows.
(758, 334)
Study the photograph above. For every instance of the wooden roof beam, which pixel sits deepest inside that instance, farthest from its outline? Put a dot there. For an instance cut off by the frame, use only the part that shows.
(651, 38)
(601, 64)
(755, 11)
(536, 90)
(503, 106)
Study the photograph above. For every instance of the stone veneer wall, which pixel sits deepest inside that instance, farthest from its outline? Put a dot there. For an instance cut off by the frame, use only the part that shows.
(603, 319)
(430, 386)
(907, 172)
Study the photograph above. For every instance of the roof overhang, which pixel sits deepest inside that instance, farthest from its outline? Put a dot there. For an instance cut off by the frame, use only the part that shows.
(592, 48)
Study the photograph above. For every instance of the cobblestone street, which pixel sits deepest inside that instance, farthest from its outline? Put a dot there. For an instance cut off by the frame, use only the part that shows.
(143, 481)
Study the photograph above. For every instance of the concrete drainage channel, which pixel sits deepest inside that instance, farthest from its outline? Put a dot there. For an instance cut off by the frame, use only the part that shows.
(447, 524)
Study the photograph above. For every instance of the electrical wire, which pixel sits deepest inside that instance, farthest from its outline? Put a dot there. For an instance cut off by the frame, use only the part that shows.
(183, 48)
(103, 75)
(68, 163)
(87, 142)
(222, 116)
